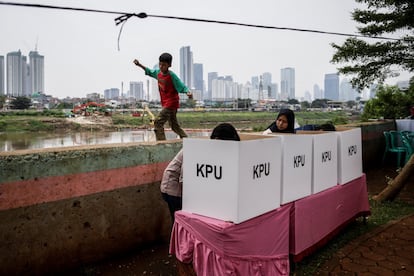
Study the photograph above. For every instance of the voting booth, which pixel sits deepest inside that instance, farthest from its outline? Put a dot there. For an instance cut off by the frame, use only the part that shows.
(268, 183)
(232, 180)
(349, 154)
(296, 166)
(324, 160)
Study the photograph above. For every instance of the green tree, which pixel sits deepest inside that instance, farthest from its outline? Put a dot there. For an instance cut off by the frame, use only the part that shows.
(293, 101)
(305, 105)
(20, 103)
(374, 62)
(2, 100)
(320, 103)
(350, 104)
(64, 105)
(389, 103)
(243, 103)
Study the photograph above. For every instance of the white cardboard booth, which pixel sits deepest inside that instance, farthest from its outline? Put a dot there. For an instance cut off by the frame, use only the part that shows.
(296, 166)
(232, 180)
(349, 154)
(325, 159)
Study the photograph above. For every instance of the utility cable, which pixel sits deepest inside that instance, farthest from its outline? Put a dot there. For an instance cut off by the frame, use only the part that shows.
(124, 16)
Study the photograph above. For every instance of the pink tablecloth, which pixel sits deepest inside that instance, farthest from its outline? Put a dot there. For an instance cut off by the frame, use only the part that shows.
(317, 218)
(259, 246)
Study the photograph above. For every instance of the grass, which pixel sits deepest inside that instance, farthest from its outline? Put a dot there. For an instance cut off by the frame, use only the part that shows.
(243, 120)
(381, 213)
(256, 121)
(253, 120)
(24, 123)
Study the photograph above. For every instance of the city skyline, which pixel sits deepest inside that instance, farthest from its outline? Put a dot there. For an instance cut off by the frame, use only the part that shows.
(22, 75)
(220, 88)
(82, 55)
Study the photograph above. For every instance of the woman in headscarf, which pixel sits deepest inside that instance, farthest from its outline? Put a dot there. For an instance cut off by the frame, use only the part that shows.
(285, 122)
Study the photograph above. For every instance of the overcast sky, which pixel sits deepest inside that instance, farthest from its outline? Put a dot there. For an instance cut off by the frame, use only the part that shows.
(81, 48)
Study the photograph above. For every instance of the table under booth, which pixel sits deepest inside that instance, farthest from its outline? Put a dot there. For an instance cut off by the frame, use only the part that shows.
(265, 240)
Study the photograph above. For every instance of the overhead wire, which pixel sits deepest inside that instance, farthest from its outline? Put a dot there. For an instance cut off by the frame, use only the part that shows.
(124, 16)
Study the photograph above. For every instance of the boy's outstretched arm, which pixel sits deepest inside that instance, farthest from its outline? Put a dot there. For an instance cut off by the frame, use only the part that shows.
(136, 62)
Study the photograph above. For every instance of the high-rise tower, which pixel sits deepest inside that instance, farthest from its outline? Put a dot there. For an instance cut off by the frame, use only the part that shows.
(332, 87)
(14, 74)
(36, 65)
(2, 76)
(186, 66)
(198, 78)
(287, 83)
(210, 77)
(24, 78)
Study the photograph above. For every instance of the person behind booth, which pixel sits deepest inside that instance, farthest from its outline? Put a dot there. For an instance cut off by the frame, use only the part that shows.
(172, 179)
(285, 123)
(411, 114)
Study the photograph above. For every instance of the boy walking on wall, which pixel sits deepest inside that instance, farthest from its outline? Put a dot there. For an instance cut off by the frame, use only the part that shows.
(169, 85)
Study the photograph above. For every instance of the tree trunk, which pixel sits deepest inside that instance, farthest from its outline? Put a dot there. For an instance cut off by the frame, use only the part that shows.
(397, 184)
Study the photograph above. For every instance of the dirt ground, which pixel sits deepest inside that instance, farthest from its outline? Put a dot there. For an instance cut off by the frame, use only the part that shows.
(155, 260)
(91, 120)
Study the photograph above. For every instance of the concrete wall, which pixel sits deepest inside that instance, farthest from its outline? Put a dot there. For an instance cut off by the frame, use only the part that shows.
(63, 207)
(60, 208)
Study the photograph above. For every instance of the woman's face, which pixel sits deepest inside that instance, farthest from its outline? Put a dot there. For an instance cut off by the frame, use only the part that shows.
(282, 122)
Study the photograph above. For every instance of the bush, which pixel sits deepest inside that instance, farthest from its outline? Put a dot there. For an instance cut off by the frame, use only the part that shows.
(35, 125)
(3, 126)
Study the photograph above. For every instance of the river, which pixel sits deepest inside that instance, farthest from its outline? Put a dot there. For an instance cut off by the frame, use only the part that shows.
(41, 140)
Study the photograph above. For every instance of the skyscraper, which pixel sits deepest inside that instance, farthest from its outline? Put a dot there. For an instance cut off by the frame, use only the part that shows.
(136, 90)
(255, 82)
(347, 93)
(332, 86)
(287, 83)
(24, 78)
(273, 93)
(317, 93)
(211, 76)
(307, 97)
(14, 74)
(36, 73)
(26, 81)
(198, 77)
(218, 89)
(186, 66)
(2, 76)
(261, 96)
(111, 94)
(267, 86)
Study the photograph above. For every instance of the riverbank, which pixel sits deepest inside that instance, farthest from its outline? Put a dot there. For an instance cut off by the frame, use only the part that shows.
(242, 120)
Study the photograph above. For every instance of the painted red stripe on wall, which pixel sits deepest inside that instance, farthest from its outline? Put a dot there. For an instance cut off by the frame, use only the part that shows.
(29, 192)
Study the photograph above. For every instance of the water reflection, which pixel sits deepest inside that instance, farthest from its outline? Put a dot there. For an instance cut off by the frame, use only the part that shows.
(21, 141)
